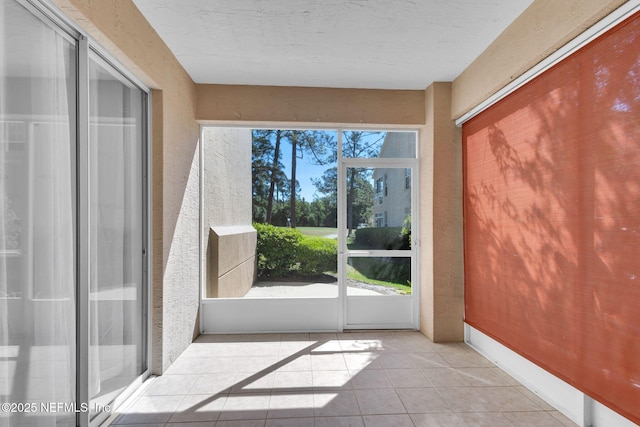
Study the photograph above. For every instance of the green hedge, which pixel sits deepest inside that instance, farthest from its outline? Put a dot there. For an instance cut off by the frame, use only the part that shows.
(317, 255)
(285, 251)
(277, 249)
(383, 238)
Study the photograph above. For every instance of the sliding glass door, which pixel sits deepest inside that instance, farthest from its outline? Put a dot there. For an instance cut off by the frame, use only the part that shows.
(72, 225)
(117, 350)
(37, 219)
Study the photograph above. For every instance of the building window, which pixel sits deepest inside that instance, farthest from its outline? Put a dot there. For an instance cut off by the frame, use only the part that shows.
(407, 178)
(379, 219)
(386, 188)
(379, 188)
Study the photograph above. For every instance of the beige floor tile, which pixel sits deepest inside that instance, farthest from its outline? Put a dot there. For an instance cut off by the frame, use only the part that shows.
(485, 419)
(144, 425)
(541, 403)
(358, 345)
(149, 409)
(398, 420)
(562, 419)
(396, 361)
(360, 361)
(290, 422)
(170, 385)
(329, 346)
(294, 405)
(295, 347)
(253, 383)
(240, 423)
(371, 379)
(349, 379)
(508, 378)
(322, 337)
(428, 360)
(188, 366)
(295, 363)
(466, 359)
(339, 422)
(339, 403)
(212, 384)
(221, 365)
(189, 424)
(332, 380)
(328, 362)
(422, 400)
(445, 419)
(379, 402)
(293, 381)
(507, 399)
(198, 408)
(245, 407)
(483, 377)
(255, 364)
(404, 378)
(532, 419)
(465, 399)
(445, 377)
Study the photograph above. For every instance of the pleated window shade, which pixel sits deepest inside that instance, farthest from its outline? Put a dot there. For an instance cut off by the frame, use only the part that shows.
(552, 220)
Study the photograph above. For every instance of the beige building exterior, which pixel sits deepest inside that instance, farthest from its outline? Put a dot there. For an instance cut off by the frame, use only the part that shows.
(392, 186)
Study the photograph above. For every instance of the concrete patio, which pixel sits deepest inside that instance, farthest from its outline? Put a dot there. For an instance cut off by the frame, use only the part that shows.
(378, 378)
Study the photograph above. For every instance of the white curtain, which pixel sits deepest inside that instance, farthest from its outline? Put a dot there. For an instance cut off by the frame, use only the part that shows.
(37, 230)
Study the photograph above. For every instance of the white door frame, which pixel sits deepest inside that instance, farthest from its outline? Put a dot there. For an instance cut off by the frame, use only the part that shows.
(388, 311)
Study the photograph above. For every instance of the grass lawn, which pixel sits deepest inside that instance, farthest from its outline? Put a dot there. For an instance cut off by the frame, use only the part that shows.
(318, 231)
(354, 274)
(364, 265)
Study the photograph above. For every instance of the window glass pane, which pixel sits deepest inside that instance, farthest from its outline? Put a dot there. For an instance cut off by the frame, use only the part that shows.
(37, 218)
(117, 338)
(372, 144)
(378, 276)
(292, 205)
(378, 208)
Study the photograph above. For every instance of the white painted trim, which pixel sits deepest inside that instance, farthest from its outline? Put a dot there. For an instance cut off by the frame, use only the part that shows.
(384, 311)
(261, 315)
(602, 26)
(573, 403)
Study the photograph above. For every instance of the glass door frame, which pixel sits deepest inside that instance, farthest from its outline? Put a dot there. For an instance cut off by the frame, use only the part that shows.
(85, 47)
(89, 51)
(374, 304)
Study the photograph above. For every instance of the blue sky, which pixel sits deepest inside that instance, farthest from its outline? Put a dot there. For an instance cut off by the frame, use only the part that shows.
(305, 170)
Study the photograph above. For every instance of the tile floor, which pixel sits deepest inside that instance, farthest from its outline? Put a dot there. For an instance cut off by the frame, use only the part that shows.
(334, 380)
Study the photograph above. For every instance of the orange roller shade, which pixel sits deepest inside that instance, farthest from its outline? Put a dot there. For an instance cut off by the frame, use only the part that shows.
(552, 220)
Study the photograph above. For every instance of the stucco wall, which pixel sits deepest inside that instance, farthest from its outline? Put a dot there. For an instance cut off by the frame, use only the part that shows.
(540, 30)
(441, 275)
(124, 33)
(319, 106)
(226, 196)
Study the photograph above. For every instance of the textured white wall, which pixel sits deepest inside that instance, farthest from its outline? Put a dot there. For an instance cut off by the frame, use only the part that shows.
(227, 176)
(227, 199)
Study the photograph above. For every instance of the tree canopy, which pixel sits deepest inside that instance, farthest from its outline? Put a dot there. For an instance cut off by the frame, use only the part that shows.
(274, 201)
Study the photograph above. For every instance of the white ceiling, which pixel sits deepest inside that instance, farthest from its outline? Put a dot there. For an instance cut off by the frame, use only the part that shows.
(383, 44)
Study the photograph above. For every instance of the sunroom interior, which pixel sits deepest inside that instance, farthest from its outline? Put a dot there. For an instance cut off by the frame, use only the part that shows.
(126, 145)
